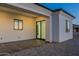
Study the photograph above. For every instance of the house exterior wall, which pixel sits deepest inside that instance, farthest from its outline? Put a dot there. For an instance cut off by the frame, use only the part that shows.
(55, 27)
(55, 24)
(59, 27)
(63, 35)
(40, 10)
(49, 29)
(34, 8)
(7, 32)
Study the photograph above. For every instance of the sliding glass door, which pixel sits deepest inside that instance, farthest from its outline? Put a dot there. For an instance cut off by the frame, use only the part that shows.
(40, 29)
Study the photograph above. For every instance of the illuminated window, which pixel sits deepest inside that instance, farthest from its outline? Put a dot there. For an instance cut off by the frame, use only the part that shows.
(67, 26)
(18, 24)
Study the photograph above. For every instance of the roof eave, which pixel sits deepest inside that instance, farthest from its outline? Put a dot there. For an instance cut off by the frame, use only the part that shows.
(64, 12)
(55, 10)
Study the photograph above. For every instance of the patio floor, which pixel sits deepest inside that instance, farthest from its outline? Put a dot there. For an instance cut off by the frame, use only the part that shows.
(52, 49)
(12, 47)
(40, 48)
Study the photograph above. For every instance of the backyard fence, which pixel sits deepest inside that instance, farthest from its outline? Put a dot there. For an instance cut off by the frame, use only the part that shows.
(76, 35)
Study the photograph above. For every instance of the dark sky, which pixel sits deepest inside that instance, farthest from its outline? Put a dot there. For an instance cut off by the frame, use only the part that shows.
(72, 8)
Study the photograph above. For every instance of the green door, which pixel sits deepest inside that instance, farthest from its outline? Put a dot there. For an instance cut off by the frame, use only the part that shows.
(40, 29)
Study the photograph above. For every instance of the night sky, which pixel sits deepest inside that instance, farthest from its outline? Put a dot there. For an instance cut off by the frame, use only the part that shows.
(72, 8)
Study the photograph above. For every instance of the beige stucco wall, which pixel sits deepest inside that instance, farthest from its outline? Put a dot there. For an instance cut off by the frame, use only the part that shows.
(7, 34)
(40, 10)
(55, 24)
(40, 18)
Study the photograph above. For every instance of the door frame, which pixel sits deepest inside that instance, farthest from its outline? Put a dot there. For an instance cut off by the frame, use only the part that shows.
(40, 29)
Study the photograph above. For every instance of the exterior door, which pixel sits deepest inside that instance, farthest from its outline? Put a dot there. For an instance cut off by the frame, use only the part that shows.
(40, 29)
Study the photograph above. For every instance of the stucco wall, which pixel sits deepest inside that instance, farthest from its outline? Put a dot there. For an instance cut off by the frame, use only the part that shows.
(55, 24)
(59, 26)
(63, 35)
(7, 34)
(40, 10)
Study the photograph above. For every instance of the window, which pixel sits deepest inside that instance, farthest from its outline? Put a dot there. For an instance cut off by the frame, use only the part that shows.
(67, 26)
(18, 24)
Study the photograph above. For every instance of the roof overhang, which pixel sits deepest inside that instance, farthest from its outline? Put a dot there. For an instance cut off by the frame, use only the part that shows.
(17, 8)
(55, 10)
(64, 12)
(21, 9)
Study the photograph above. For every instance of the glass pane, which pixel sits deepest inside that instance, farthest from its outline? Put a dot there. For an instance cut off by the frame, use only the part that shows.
(68, 26)
(38, 29)
(20, 24)
(16, 24)
(43, 29)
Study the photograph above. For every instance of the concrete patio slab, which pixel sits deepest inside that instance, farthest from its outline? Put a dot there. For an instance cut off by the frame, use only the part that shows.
(44, 49)
(12, 47)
